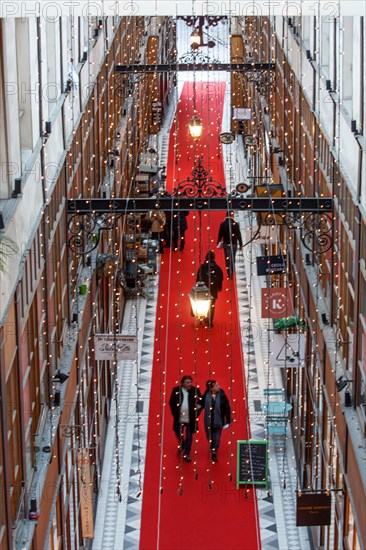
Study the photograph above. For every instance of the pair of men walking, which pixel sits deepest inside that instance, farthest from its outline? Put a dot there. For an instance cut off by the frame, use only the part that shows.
(186, 405)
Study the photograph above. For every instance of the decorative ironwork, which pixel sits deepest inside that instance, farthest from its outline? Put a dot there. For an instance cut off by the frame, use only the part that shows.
(197, 57)
(211, 66)
(315, 228)
(85, 229)
(201, 185)
(316, 233)
(200, 191)
(199, 21)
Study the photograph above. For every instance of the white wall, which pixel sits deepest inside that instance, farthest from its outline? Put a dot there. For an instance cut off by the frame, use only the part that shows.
(21, 67)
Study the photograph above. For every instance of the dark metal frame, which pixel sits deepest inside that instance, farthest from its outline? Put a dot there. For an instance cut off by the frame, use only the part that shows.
(88, 217)
(193, 67)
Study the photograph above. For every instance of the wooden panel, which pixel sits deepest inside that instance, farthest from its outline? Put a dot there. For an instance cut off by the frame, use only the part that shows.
(237, 79)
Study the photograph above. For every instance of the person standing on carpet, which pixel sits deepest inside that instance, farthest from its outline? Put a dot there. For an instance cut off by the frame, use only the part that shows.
(185, 404)
(157, 224)
(211, 274)
(217, 415)
(230, 237)
(179, 227)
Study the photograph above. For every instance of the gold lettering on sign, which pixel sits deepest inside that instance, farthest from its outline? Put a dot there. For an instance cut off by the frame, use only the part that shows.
(86, 495)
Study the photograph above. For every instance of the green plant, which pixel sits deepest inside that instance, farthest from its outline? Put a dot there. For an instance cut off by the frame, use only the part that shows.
(7, 248)
(284, 323)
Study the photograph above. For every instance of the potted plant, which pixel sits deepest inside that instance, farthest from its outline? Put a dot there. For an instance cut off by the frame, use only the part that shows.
(289, 323)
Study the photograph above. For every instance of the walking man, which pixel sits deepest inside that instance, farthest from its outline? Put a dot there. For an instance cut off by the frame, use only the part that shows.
(230, 237)
(185, 404)
(211, 274)
(217, 415)
(179, 227)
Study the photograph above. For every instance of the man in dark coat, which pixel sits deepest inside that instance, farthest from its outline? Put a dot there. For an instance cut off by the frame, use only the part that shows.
(179, 227)
(185, 404)
(230, 236)
(211, 274)
(217, 415)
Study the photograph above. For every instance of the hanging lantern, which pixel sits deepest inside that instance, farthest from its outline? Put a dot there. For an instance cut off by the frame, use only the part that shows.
(195, 39)
(200, 300)
(195, 127)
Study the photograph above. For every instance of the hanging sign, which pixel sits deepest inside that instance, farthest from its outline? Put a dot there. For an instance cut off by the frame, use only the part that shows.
(242, 113)
(313, 509)
(287, 350)
(270, 265)
(252, 463)
(250, 140)
(86, 495)
(267, 234)
(226, 137)
(276, 302)
(118, 347)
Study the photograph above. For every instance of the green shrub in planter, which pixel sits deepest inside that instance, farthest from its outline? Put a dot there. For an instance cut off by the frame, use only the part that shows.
(83, 289)
(285, 323)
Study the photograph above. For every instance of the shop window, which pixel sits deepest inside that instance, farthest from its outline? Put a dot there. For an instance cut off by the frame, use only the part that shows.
(28, 88)
(347, 64)
(325, 44)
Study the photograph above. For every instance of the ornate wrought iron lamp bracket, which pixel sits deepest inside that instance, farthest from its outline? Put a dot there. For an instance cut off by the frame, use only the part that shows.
(200, 191)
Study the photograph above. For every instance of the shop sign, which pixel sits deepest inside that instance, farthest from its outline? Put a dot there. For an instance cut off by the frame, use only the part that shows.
(250, 140)
(270, 265)
(266, 234)
(242, 113)
(276, 303)
(115, 347)
(287, 350)
(313, 509)
(226, 137)
(86, 495)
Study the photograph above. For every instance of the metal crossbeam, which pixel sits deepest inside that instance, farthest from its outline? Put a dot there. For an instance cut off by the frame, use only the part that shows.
(165, 67)
(255, 204)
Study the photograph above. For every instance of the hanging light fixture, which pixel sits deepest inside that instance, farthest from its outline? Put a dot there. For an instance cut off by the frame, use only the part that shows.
(200, 300)
(195, 39)
(195, 127)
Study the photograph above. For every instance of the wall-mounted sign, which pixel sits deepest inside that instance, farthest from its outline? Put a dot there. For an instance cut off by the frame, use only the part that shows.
(270, 265)
(252, 463)
(271, 190)
(287, 350)
(115, 347)
(250, 140)
(226, 137)
(313, 509)
(276, 302)
(86, 494)
(242, 113)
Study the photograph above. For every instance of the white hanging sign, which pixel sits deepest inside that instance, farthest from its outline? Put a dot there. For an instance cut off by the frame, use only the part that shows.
(266, 235)
(287, 350)
(242, 113)
(118, 347)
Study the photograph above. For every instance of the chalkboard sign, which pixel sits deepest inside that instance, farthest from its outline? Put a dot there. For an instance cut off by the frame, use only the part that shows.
(252, 459)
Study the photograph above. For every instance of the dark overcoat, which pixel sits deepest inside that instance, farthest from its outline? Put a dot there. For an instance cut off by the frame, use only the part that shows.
(194, 406)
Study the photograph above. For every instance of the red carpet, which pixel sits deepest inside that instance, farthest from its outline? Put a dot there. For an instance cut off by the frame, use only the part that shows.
(180, 510)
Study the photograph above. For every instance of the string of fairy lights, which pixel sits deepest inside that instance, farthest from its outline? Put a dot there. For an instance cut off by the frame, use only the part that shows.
(204, 338)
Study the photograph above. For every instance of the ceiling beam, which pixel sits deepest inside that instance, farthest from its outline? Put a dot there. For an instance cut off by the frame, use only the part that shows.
(255, 204)
(194, 67)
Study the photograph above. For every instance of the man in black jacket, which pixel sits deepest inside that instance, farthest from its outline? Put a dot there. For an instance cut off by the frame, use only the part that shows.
(179, 227)
(185, 404)
(230, 236)
(211, 274)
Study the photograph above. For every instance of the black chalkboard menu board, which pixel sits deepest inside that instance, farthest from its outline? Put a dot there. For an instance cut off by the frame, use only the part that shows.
(252, 462)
